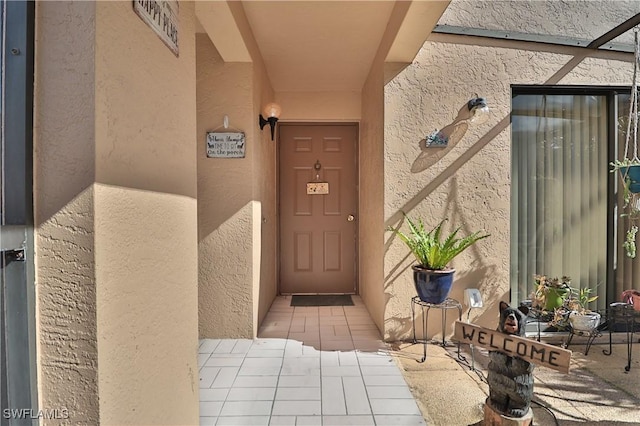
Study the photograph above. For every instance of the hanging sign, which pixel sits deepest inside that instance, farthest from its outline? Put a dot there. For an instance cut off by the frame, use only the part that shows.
(530, 350)
(317, 188)
(162, 17)
(225, 145)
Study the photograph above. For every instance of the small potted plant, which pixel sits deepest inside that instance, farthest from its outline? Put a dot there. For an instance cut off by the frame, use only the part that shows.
(433, 276)
(550, 293)
(581, 317)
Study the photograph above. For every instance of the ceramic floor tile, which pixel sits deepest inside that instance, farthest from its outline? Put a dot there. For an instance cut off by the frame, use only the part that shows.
(246, 408)
(298, 394)
(242, 346)
(210, 408)
(384, 381)
(224, 362)
(337, 345)
(308, 421)
(262, 362)
(300, 366)
(282, 421)
(355, 396)
(395, 406)
(296, 408)
(348, 421)
(208, 345)
(202, 359)
(333, 396)
(329, 359)
(347, 370)
(251, 394)
(213, 394)
(265, 353)
(399, 420)
(256, 381)
(243, 420)
(375, 370)
(299, 381)
(208, 421)
(225, 377)
(208, 375)
(348, 358)
(269, 343)
(388, 392)
(225, 346)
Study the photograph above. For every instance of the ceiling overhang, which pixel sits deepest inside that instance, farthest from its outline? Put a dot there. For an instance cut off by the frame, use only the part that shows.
(311, 46)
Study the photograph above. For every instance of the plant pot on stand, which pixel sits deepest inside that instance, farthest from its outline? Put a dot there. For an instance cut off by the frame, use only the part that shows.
(432, 286)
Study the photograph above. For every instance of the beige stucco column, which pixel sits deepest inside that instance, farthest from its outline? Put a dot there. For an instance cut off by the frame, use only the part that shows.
(237, 218)
(116, 227)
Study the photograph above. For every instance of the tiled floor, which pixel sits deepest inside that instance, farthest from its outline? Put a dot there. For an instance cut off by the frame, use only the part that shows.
(309, 366)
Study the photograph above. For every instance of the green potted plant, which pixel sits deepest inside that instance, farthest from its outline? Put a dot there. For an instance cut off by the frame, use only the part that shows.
(581, 317)
(433, 251)
(550, 293)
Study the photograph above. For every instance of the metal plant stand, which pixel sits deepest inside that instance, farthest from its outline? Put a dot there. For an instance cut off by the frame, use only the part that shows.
(444, 307)
(623, 314)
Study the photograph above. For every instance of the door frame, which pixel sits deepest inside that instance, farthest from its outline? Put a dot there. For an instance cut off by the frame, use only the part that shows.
(357, 172)
(16, 217)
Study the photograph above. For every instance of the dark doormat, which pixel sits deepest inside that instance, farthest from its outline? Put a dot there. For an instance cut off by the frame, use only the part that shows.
(322, 300)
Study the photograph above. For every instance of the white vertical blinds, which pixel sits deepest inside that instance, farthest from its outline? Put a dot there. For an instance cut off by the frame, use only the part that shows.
(559, 191)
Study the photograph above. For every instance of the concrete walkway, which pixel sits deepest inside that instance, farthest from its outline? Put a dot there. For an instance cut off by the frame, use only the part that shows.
(309, 366)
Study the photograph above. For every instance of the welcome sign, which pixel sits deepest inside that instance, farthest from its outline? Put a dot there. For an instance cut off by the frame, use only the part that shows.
(530, 350)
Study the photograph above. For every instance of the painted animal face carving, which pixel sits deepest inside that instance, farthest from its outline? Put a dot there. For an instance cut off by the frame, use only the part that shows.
(512, 320)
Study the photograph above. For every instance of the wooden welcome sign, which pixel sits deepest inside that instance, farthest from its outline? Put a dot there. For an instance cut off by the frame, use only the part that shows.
(530, 350)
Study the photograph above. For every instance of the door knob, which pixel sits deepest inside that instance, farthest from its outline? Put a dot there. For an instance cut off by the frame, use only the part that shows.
(351, 218)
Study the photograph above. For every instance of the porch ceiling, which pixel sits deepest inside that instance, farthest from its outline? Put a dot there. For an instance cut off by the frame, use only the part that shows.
(320, 45)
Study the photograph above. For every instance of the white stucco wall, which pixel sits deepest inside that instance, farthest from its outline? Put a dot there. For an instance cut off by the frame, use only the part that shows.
(469, 184)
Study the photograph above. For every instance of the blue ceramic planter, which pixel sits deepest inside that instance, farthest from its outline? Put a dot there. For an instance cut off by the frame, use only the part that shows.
(633, 173)
(432, 286)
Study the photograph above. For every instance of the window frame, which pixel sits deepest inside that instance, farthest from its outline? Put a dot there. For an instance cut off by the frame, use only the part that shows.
(611, 93)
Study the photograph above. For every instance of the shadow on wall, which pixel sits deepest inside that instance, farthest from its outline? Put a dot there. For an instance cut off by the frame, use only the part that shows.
(480, 276)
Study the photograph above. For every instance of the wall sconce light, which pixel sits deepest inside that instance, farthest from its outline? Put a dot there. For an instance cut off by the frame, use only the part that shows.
(479, 110)
(476, 111)
(272, 110)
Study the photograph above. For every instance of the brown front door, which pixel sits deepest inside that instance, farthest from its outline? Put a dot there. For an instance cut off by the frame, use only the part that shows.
(318, 231)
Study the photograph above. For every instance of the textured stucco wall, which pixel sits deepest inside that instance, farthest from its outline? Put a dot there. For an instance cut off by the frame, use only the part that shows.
(146, 220)
(237, 216)
(371, 185)
(469, 183)
(230, 208)
(64, 212)
(116, 236)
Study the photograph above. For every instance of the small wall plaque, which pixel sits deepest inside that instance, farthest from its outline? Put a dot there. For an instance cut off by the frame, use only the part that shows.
(225, 145)
(317, 188)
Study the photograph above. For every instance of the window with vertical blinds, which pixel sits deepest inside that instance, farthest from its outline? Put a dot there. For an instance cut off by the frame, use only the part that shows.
(559, 191)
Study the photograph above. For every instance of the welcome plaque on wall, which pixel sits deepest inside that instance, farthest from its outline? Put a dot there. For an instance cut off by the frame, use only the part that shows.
(225, 145)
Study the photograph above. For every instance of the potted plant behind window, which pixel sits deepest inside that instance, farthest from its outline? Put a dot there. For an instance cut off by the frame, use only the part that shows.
(432, 276)
(550, 293)
(581, 317)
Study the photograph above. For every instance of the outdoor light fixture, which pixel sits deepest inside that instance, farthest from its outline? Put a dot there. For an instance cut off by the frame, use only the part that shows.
(479, 110)
(475, 111)
(272, 110)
